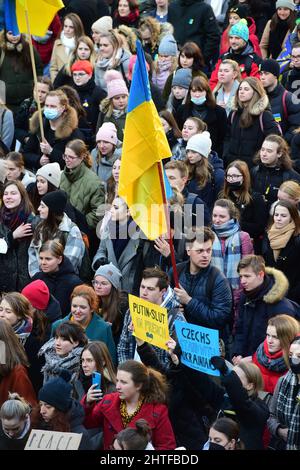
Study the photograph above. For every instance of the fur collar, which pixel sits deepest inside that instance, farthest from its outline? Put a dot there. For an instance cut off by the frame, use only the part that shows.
(259, 107)
(279, 288)
(66, 127)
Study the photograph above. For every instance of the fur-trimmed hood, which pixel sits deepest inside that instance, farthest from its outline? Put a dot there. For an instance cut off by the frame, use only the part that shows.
(259, 107)
(279, 288)
(66, 127)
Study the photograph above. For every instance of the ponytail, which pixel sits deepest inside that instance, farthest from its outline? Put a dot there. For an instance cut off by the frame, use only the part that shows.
(16, 407)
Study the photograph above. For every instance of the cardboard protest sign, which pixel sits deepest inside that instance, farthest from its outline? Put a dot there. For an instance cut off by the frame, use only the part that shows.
(198, 345)
(150, 321)
(52, 440)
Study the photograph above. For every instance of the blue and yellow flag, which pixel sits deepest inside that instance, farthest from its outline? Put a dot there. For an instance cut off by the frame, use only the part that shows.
(145, 145)
(40, 14)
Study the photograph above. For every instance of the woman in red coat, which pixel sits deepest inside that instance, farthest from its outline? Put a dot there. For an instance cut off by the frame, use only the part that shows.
(13, 366)
(141, 393)
(272, 355)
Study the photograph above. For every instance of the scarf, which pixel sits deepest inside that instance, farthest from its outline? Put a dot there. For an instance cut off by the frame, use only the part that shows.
(128, 20)
(23, 329)
(117, 113)
(126, 417)
(69, 43)
(288, 409)
(54, 363)
(279, 237)
(119, 236)
(13, 218)
(227, 262)
(272, 362)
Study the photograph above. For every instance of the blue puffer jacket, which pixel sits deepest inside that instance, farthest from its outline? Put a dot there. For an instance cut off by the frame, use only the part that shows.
(213, 312)
(210, 193)
(253, 314)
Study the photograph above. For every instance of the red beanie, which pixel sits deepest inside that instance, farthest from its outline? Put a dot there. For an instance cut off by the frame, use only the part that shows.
(84, 65)
(38, 294)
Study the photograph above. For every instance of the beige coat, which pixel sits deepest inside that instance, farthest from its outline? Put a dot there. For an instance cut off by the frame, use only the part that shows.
(58, 58)
(264, 42)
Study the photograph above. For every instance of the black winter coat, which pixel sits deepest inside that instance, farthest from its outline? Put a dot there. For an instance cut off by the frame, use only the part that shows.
(6, 443)
(288, 262)
(254, 216)
(285, 111)
(90, 97)
(251, 413)
(242, 143)
(215, 118)
(61, 284)
(194, 20)
(266, 181)
(186, 406)
(254, 313)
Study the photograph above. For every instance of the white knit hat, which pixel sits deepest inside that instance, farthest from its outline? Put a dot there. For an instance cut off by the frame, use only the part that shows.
(103, 25)
(51, 172)
(200, 143)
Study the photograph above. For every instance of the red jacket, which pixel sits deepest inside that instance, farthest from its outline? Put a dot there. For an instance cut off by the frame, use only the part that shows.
(224, 46)
(17, 381)
(270, 377)
(106, 414)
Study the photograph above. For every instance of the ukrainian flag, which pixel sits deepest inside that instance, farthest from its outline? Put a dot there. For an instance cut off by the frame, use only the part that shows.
(145, 145)
(40, 14)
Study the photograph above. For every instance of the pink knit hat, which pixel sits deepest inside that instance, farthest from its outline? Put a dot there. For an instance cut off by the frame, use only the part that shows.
(115, 84)
(108, 133)
(131, 64)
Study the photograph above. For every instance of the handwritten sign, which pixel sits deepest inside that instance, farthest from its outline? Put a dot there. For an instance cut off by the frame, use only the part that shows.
(198, 345)
(150, 321)
(52, 440)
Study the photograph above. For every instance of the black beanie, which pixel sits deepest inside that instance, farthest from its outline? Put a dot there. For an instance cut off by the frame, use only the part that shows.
(271, 66)
(56, 201)
(57, 392)
(241, 10)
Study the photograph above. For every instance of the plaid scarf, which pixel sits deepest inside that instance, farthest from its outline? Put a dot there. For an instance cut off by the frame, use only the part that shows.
(227, 262)
(288, 409)
(54, 363)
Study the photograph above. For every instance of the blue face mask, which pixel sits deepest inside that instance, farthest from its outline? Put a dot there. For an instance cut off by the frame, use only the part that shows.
(199, 101)
(51, 114)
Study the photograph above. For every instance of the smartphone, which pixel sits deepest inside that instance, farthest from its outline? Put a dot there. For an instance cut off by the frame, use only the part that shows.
(97, 380)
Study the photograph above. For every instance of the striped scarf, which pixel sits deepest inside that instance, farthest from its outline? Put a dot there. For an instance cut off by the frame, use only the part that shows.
(227, 262)
(288, 409)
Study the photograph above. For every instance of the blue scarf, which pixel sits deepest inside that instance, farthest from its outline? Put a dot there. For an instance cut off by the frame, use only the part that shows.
(228, 262)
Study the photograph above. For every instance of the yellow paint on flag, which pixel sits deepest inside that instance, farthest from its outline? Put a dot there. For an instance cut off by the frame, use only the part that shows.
(40, 13)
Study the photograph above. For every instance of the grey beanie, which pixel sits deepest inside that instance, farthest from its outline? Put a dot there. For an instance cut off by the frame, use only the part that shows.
(183, 78)
(111, 273)
(51, 172)
(168, 46)
(286, 4)
(3, 170)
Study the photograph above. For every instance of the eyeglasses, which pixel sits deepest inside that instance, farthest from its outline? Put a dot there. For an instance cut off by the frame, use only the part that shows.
(79, 74)
(68, 157)
(233, 177)
(99, 284)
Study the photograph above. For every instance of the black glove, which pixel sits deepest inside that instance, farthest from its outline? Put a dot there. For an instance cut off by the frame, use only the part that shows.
(220, 364)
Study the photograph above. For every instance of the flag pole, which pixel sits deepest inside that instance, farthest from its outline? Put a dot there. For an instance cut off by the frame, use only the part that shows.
(173, 260)
(34, 73)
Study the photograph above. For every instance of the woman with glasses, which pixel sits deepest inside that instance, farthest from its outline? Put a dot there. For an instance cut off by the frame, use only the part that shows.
(251, 205)
(112, 301)
(281, 245)
(141, 393)
(84, 312)
(57, 271)
(84, 190)
(60, 126)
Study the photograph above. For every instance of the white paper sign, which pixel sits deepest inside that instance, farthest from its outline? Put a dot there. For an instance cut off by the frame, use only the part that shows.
(52, 440)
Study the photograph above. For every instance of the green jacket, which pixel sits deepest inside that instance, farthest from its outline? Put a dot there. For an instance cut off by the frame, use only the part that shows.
(85, 191)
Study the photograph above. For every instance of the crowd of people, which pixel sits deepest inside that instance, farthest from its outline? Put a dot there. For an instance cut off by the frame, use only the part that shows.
(224, 78)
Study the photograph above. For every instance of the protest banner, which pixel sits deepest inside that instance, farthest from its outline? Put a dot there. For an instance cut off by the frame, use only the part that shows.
(198, 345)
(150, 321)
(52, 440)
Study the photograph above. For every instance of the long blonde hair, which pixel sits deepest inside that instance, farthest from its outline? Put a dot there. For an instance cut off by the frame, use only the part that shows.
(116, 41)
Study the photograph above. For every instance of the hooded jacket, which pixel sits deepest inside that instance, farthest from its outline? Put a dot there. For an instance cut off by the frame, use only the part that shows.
(66, 131)
(194, 20)
(247, 60)
(253, 314)
(252, 38)
(242, 143)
